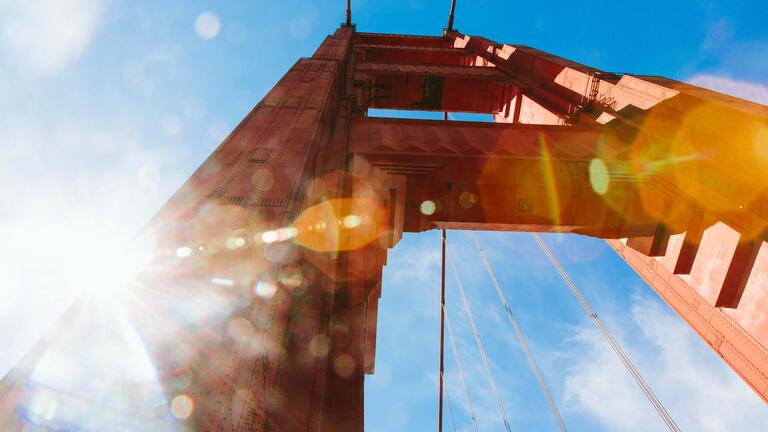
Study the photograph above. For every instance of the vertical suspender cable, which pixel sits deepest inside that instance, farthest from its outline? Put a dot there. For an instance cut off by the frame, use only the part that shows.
(349, 12)
(665, 417)
(442, 331)
(450, 16)
(479, 343)
(457, 357)
(521, 337)
(450, 404)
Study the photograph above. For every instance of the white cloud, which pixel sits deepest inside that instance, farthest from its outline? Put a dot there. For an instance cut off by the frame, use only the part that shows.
(419, 264)
(719, 32)
(43, 36)
(698, 391)
(754, 92)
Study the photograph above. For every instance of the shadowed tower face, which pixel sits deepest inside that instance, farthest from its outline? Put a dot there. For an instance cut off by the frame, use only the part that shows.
(256, 307)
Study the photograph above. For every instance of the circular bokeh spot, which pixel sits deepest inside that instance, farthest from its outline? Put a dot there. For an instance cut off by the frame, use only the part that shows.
(428, 207)
(599, 177)
(182, 406)
(207, 25)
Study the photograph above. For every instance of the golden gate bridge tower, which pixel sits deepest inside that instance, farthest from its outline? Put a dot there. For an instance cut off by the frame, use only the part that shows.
(304, 198)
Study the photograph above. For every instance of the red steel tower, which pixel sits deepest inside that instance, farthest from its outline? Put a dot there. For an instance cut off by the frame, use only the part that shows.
(306, 195)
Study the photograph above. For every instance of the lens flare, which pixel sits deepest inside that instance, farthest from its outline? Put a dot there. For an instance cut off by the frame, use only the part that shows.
(599, 177)
(428, 207)
(235, 243)
(182, 407)
(75, 379)
(340, 224)
(352, 221)
(222, 282)
(550, 181)
(269, 236)
(265, 289)
(207, 25)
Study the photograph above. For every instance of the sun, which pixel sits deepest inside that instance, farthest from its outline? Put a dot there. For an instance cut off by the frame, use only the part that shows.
(101, 262)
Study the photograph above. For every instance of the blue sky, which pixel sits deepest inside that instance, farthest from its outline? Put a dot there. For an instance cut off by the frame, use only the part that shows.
(108, 106)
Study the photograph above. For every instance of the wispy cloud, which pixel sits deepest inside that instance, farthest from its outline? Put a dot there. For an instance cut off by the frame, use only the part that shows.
(419, 262)
(755, 92)
(674, 362)
(43, 36)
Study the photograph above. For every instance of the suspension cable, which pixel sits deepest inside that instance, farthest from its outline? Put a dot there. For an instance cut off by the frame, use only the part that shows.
(521, 337)
(348, 21)
(450, 15)
(448, 398)
(665, 417)
(479, 343)
(457, 357)
(442, 331)
(444, 321)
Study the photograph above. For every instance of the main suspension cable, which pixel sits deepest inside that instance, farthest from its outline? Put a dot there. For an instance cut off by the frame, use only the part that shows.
(479, 343)
(665, 417)
(457, 357)
(521, 337)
